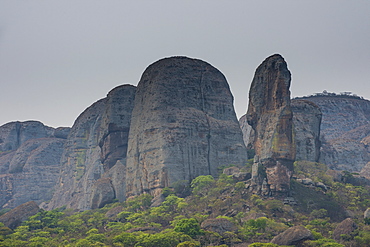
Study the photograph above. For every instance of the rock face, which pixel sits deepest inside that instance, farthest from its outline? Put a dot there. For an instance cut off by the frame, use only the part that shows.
(345, 129)
(293, 236)
(270, 115)
(96, 148)
(29, 162)
(248, 132)
(307, 120)
(14, 217)
(183, 125)
(14, 134)
(365, 171)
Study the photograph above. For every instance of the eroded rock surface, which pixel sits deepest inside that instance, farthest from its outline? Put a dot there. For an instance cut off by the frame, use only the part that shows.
(14, 217)
(347, 227)
(183, 125)
(293, 236)
(307, 120)
(270, 115)
(29, 162)
(96, 143)
(345, 129)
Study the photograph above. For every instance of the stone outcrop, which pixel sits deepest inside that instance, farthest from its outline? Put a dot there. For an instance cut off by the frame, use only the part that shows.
(367, 213)
(365, 171)
(183, 125)
(347, 227)
(270, 115)
(248, 132)
(344, 130)
(102, 193)
(307, 120)
(14, 134)
(95, 153)
(293, 236)
(14, 217)
(29, 162)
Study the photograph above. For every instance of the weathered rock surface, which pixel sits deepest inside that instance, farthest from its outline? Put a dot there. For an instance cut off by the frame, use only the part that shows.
(270, 115)
(219, 225)
(347, 227)
(29, 162)
(293, 236)
(365, 171)
(183, 125)
(96, 146)
(367, 213)
(102, 193)
(14, 217)
(345, 128)
(345, 154)
(248, 132)
(13, 134)
(307, 120)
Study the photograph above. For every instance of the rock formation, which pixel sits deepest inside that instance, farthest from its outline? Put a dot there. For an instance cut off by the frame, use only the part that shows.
(183, 125)
(345, 128)
(248, 133)
(14, 134)
(29, 162)
(347, 226)
(365, 171)
(270, 115)
(307, 119)
(96, 148)
(14, 217)
(295, 235)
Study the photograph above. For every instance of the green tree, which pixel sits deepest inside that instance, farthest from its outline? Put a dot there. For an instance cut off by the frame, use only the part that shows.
(167, 238)
(125, 238)
(201, 183)
(189, 226)
(263, 245)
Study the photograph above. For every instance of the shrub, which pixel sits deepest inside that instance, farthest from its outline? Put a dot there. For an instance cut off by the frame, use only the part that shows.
(201, 182)
(189, 226)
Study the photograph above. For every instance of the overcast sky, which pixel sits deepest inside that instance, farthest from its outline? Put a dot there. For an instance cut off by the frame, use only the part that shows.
(59, 57)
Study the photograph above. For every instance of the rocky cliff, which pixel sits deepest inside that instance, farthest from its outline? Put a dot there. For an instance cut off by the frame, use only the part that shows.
(183, 125)
(29, 161)
(307, 120)
(345, 129)
(94, 158)
(270, 115)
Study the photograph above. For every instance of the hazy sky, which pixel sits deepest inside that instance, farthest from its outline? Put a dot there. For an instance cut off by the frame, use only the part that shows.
(59, 57)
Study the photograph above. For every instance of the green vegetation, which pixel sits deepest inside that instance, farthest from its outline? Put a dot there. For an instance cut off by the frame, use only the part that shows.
(178, 220)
